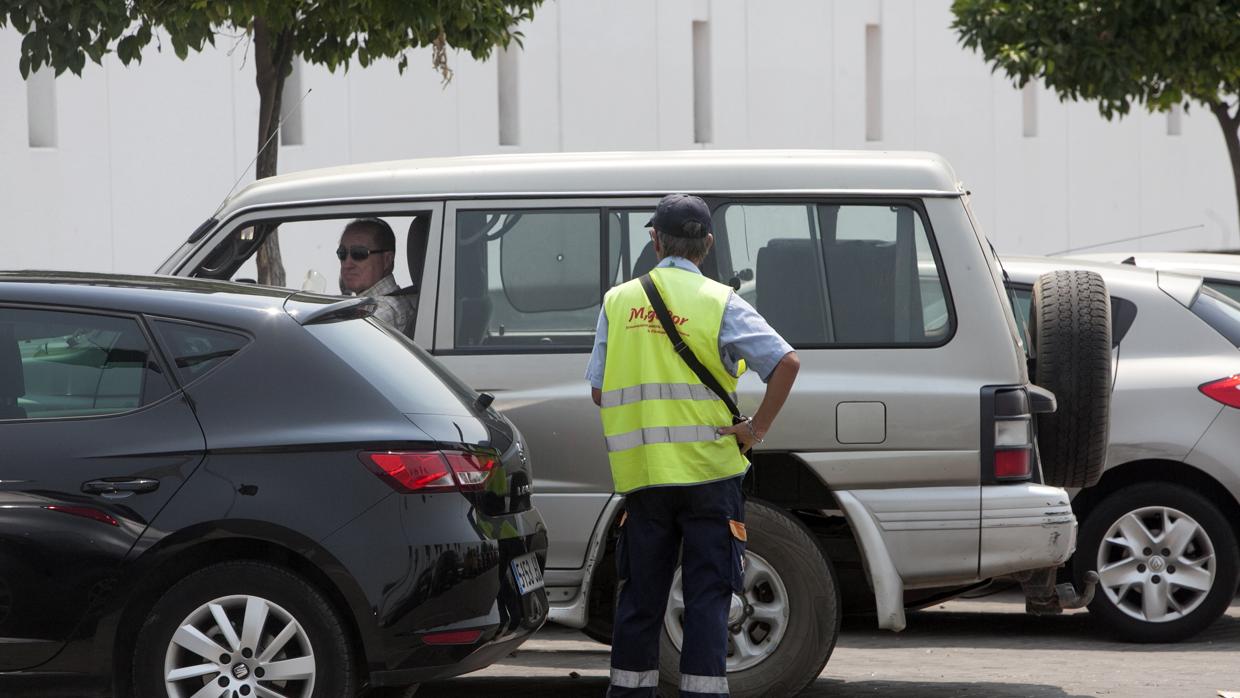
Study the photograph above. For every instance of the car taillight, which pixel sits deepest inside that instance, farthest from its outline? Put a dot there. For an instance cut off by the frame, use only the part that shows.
(1007, 450)
(1224, 390)
(1012, 464)
(427, 472)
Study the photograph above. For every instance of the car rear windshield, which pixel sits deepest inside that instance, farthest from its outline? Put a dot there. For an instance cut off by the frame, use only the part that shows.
(411, 379)
(1219, 312)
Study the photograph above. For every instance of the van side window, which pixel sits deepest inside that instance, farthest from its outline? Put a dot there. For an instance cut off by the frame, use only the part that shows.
(64, 364)
(836, 275)
(528, 278)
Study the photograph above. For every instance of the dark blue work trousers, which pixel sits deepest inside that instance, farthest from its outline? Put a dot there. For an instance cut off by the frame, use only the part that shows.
(658, 520)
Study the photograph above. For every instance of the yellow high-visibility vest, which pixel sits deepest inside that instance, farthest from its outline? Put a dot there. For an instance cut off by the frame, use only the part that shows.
(659, 419)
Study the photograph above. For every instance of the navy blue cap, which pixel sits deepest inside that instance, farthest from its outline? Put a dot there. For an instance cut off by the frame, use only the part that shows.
(676, 214)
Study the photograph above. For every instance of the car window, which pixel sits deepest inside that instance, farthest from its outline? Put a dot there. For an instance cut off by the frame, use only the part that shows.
(194, 349)
(1219, 312)
(527, 278)
(836, 275)
(65, 364)
(1021, 297)
(308, 252)
(1227, 288)
(630, 251)
(412, 380)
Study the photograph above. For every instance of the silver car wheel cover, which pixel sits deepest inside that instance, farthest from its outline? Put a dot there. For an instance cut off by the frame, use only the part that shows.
(281, 662)
(1156, 564)
(759, 633)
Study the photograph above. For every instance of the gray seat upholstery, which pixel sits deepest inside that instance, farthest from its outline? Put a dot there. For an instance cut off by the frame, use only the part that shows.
(415, 254)
(861, 284)
(788, 294)
(12, 378)
(473, 304)
(645, 261)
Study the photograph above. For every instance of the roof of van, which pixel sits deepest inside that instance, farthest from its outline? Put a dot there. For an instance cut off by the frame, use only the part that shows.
(579, 174)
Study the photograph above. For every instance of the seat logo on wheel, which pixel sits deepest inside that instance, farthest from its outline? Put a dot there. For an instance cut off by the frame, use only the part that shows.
(240, 671)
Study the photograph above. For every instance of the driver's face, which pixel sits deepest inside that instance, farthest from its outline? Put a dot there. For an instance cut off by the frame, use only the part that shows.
(359, 276)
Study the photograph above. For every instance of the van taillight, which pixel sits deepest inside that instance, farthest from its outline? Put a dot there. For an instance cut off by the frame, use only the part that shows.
(1007, 444)
(426, 472)
(1224, 390)
(1012, 464)
(1013, 447)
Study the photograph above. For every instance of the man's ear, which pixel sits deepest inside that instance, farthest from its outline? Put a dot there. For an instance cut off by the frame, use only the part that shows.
(654, 239)
(389, 262)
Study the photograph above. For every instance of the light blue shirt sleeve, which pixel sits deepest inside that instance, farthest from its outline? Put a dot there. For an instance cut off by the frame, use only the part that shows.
(598, 357)
(744, 334)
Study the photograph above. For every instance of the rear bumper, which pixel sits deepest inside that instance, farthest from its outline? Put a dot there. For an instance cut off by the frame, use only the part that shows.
(479, 658)
(930, 537)
(1025, 527)
(433, 564)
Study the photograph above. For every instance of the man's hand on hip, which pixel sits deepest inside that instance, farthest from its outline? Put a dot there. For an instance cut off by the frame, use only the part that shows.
(744, 434)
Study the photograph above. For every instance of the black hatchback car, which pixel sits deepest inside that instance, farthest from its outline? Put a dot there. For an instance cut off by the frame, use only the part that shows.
(210, 489)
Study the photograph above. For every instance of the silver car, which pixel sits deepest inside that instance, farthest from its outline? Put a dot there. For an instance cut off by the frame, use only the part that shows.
(904, 464)
(1221, 272)
(1160, 526)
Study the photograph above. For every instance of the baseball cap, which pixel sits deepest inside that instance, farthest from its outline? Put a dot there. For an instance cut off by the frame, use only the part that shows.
(675, 211)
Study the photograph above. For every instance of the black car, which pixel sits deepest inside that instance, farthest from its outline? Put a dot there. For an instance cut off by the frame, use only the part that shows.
(211, 489)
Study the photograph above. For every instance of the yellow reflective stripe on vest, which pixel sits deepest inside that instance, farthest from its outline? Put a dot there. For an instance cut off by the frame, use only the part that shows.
(659, 391)
(661, 435)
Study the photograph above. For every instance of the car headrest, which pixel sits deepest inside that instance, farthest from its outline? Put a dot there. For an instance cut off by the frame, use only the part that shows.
(415, 246)
(645, 261)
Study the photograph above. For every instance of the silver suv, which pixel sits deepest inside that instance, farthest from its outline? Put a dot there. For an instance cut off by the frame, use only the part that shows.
(905, 465)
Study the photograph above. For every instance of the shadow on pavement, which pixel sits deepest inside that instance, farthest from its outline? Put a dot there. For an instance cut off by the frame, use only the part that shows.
(1076, 631)
(540, 686)
(549, 687)
(835, 688)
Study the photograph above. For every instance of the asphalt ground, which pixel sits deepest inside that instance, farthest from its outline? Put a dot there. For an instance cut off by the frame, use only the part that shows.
(982, 647)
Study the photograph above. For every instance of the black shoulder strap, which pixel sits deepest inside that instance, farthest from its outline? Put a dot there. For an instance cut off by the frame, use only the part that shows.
(682, 349)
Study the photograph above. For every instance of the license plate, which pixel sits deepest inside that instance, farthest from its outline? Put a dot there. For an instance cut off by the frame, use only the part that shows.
(528, 574)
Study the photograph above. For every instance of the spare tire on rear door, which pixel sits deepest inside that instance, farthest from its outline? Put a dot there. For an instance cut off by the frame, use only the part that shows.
(1070, 328)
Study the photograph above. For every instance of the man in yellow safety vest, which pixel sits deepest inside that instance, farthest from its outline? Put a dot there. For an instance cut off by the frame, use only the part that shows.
(674, 450)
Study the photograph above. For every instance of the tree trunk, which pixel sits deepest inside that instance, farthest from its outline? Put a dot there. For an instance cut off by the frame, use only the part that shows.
(273, 56)
(1231, 134)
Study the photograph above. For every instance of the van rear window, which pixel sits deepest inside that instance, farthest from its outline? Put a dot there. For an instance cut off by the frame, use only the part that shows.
(1219, 312)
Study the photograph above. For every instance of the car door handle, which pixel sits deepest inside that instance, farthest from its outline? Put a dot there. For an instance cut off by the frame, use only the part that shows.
(120, 486)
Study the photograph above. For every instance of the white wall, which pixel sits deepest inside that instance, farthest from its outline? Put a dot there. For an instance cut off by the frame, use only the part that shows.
(143, 154)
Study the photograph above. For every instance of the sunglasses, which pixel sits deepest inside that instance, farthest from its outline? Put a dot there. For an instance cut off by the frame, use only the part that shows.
(359, 253)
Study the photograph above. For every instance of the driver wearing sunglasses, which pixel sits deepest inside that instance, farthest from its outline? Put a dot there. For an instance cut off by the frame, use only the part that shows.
(367, 255)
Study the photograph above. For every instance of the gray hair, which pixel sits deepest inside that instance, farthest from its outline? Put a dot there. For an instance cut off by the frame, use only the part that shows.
(692, 249)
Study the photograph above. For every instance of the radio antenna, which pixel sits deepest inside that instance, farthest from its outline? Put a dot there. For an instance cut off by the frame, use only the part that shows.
(266, 143)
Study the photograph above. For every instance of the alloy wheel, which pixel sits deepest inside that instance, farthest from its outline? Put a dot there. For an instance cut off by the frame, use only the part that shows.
(239, 647)
(757, 618)
(1156, 564)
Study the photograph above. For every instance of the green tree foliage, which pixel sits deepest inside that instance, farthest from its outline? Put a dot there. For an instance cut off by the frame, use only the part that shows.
(64, 34)
(1156, 53)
